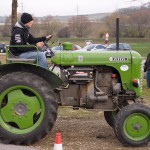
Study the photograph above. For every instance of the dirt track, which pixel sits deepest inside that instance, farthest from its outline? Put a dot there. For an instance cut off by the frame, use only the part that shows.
(80, 129)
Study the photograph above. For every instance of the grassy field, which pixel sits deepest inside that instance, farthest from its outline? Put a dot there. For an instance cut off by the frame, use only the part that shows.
(142, 48)
(145, 93)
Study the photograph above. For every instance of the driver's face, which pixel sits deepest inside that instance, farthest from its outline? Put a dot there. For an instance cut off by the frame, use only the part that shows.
(29, 24)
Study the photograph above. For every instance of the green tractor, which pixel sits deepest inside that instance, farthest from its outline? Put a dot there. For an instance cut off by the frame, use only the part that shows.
(108, 81)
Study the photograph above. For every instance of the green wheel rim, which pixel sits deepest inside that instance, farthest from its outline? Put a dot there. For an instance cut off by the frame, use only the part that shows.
(137, 126)
(22, 109)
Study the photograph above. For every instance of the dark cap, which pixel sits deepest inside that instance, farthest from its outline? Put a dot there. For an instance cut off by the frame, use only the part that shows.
(25, 18)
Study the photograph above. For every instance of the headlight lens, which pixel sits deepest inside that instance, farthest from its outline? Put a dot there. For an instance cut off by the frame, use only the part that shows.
(136, 82)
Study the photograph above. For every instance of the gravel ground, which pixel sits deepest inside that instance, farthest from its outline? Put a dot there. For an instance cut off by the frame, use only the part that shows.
(14, 147)
(83, 130)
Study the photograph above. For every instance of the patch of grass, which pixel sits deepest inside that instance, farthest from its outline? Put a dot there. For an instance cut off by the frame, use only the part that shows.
(142, 48)
(146, 93)
(68, 112)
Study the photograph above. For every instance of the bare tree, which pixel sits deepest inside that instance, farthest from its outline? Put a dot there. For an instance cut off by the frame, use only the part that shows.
(51, 25)
(80, 25)
(14, 12)
(37, 30)
(6, 30)
(99, 29)
(124, 25)
(133, 22)
(110, 23)
(64, 32)
(140, 21)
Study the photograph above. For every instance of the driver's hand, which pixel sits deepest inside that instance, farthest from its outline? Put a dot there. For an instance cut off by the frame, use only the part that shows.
(40, 44)
(49, 37)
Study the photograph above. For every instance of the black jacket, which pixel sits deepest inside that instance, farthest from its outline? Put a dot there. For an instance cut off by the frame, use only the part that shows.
(147, 63)
(21, 36)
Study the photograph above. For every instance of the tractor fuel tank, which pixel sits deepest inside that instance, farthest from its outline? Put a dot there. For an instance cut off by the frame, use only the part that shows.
(80, 58)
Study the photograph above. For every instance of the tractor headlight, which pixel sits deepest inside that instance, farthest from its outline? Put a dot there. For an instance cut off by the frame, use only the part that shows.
(136, 82)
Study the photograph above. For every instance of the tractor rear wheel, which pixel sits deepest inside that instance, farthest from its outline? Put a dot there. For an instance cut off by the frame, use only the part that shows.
(28, 108)
(132, 125)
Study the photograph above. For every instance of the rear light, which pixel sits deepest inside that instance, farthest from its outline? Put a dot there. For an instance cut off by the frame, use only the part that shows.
(136, 82)
(114, 75)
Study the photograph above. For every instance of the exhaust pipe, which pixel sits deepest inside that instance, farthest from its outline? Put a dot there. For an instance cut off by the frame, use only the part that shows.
(117, 33)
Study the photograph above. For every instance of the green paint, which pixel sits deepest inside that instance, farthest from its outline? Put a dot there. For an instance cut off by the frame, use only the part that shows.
(21, 109)
(137, 126)
(114, 59)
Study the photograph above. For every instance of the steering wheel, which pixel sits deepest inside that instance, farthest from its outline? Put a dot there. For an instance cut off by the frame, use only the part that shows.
(46, 43)
(46, 47)
(47, 39)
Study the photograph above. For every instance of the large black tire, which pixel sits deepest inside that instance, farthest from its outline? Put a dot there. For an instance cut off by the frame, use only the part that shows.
(36, 105)
(110, 117)
(132, 125)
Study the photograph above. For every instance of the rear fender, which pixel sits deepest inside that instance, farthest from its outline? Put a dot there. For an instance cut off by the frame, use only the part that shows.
(53, 80)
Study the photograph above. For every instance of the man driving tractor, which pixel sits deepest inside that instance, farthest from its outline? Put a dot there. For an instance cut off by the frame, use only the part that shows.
(21, 36)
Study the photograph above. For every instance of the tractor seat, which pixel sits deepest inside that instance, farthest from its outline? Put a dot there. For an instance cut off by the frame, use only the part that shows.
(12, 58)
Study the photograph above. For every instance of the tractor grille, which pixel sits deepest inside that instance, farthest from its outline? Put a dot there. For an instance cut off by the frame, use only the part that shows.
(80, 74)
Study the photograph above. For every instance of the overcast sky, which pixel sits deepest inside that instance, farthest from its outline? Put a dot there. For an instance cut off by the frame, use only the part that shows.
(66, 7)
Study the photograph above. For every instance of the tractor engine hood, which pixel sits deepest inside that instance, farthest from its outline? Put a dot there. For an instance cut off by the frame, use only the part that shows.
(79, 58)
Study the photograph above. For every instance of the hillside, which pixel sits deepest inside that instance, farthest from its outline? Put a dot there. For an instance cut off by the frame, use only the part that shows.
(91, 17)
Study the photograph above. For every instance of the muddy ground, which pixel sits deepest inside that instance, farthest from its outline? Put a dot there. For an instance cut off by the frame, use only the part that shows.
(80, 129)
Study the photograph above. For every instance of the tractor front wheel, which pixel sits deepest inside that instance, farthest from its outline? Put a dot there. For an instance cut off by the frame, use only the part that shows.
(28, 108)
(132, 125)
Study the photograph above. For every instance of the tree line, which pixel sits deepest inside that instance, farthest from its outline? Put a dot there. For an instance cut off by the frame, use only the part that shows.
(134, 22)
